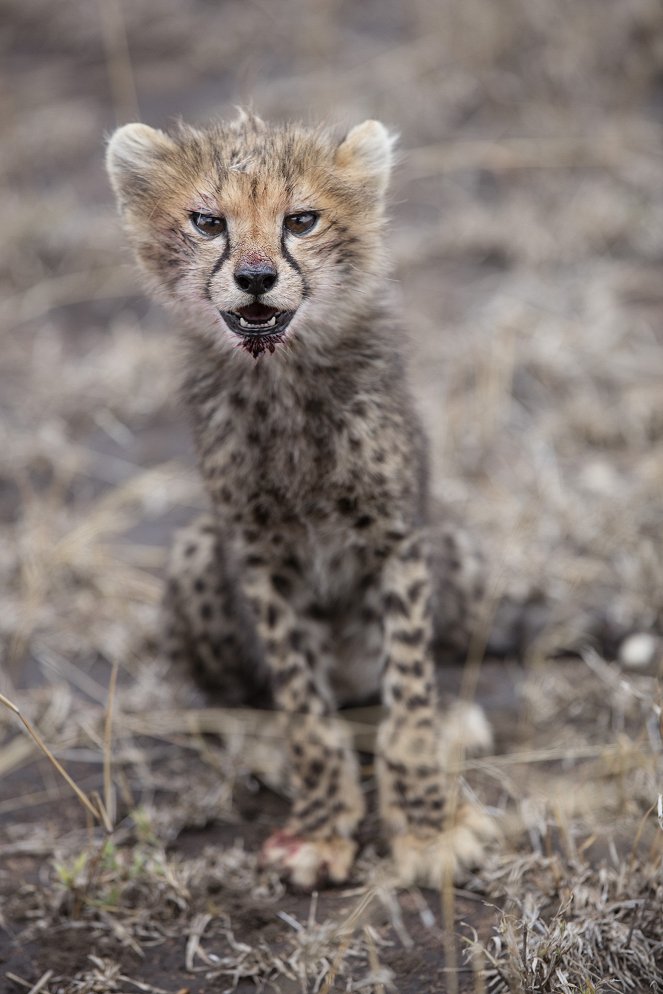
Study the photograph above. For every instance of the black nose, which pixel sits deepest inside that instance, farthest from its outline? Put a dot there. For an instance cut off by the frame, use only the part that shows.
(256, 279)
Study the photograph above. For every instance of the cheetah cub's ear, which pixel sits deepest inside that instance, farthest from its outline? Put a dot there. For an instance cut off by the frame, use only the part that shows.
(367, 154)
(133, 152)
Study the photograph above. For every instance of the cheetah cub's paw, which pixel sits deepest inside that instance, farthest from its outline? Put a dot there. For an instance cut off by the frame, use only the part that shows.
(317, 844)
(430, 860)
(434, 834)
(309, 863)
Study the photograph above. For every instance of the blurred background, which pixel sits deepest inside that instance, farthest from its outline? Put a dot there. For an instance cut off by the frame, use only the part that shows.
(527, 242)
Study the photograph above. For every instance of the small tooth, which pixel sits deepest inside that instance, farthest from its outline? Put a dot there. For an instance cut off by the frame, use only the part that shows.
(243, 323)
(271, 322)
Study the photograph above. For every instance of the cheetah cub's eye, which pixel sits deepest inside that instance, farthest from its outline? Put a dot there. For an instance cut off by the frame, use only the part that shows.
(301, 224)
(207, 224)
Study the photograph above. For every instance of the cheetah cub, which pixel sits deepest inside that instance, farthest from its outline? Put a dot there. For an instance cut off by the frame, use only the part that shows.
(310, 583)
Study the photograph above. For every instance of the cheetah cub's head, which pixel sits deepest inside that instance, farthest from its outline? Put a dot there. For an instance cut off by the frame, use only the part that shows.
(259, 233)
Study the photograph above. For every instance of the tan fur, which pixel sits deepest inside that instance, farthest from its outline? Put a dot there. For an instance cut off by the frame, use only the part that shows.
(317, 579)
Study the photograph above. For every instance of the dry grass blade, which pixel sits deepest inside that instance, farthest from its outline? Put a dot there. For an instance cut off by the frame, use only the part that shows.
(97, 813)
(123, 86)
(448, 902)
(109, 803)
(34, 988)
(41, 983)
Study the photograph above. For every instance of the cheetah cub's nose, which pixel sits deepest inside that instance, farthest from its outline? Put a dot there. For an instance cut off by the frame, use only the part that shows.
(256, 279)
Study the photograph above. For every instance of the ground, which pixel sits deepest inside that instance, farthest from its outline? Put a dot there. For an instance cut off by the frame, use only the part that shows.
(527, 239)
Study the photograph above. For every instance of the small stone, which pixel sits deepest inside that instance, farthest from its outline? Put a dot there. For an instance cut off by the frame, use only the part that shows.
(638, 651)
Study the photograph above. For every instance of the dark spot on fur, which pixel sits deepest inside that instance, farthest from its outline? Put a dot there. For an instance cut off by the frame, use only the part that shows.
(261, 515)
(346, 505)
(396, 605)
(365, 521)
(281, 584)
(296, 640)
(308, 809)
(407, 637)
(283, 677)
(395, 535)
(416, 588)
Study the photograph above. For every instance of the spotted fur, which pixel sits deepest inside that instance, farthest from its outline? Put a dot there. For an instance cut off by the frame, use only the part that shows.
(317, 579)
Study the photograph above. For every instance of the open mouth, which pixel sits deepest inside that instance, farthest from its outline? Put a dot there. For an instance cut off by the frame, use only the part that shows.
(257, 321)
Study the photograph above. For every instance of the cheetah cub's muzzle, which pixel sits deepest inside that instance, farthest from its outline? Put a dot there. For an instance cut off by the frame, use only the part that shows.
(258, 326)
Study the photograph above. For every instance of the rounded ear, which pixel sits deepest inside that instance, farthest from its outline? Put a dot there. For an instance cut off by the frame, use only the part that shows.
(368, 152)
(132, 152)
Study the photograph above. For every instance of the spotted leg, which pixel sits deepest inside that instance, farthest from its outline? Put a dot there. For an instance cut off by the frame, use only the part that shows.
(432, 838)
(317, 841)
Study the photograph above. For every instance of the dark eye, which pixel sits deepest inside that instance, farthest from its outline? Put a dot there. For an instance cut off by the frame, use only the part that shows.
(208, 224)
(301, 224)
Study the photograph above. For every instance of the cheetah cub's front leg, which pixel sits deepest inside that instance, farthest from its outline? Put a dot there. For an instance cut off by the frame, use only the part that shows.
(317, 842)
(432, 839)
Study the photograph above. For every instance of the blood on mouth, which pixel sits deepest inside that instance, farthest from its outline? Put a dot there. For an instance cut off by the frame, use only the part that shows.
(257, 345)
